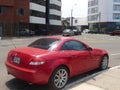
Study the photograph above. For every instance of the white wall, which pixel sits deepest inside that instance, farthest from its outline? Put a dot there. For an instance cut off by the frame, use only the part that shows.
(55, 22)
(37, 20)
(55, 12)
(80, 21)
(37, 7)
(56, 2)
(105, 7)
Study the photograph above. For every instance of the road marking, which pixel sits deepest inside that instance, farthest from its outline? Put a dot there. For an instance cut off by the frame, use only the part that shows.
(115, 54)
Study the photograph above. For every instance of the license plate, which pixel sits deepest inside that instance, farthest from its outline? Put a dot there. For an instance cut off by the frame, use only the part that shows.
(16, 60)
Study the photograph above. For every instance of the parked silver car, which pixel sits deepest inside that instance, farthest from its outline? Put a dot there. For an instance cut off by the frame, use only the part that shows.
(68, 32)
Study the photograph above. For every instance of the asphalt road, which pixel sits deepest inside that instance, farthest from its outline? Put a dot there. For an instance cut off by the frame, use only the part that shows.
(8, 82)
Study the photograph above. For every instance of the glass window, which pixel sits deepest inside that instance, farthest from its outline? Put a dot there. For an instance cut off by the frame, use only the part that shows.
(92, 3)
(3, 10)
(45, 43)
(116, 0)
(40, 2)
(73, 45)
(37, 13)
(21, 11)
(116, 16)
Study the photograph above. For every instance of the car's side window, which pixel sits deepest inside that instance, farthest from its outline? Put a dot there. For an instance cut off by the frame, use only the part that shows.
(73, 45)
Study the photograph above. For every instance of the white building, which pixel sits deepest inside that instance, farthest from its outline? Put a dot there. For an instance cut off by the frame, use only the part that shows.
(80, 21)
(44, 12)
(104, 14)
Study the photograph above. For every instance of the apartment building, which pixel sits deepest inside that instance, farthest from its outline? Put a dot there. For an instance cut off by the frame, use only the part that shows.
(16, 15)
(104, 15)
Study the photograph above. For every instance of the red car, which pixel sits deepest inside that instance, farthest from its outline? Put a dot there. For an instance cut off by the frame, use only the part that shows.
(117, 32)
(53, 60)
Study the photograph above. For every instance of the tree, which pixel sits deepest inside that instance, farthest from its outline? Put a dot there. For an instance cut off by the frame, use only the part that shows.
(65, 23)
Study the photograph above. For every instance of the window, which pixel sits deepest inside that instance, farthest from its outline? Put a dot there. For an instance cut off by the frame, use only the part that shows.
(76, 21)
(93, 18)
(92, 3)
(55, 17)
(37, 13)
(21, 11)
(3, 10)
(116, 7)
(45, 43)
(116, 0)
(73, 45)
(116, 16)
(40, 2)
(56, 7)
(94, 10)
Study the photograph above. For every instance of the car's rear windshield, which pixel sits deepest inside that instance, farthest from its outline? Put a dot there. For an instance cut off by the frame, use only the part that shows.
(45, 43)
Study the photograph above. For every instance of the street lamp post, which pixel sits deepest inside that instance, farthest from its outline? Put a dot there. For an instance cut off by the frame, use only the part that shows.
(99, 26)
(72, 16)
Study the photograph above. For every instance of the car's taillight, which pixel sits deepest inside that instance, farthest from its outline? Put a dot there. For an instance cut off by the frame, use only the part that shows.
(37, 61)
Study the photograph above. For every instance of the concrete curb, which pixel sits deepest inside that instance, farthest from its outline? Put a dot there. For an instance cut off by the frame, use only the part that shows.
(82, 85)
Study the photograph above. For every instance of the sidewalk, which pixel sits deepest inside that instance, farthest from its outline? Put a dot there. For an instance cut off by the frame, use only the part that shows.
(105, 80)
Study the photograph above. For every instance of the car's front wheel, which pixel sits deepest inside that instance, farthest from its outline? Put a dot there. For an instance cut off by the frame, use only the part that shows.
(58, 79)
(104, 63)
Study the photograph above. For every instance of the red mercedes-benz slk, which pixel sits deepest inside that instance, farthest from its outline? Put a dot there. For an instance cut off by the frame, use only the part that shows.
(53, 60)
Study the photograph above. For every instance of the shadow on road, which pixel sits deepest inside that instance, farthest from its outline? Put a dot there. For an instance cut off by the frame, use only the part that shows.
(16, 84)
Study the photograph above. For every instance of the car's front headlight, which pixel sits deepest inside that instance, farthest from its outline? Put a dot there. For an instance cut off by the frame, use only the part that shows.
(37, 61)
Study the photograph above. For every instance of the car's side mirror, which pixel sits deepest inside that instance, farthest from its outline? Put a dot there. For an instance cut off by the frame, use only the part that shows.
(89, 49)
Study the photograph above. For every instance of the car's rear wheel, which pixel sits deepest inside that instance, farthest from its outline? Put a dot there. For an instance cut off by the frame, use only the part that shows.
(104, 63)
(58, 79)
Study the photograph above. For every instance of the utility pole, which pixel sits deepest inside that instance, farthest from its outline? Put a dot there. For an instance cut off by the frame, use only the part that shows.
(99, 26)
(72, 16)
(47, 15)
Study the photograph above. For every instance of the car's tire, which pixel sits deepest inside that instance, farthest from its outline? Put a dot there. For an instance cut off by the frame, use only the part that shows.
(58, 79)
(104, 62)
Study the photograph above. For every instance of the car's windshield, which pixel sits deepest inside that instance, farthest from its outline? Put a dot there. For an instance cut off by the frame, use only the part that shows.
(45, 43)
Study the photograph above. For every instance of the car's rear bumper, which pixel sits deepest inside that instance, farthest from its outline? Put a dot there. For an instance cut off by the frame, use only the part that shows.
(30, 76)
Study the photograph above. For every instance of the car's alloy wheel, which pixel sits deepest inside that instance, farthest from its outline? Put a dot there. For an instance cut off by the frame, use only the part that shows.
(104, 63)
(59, 78)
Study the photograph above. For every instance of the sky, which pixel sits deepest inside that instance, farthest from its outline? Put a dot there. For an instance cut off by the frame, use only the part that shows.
(79, 8)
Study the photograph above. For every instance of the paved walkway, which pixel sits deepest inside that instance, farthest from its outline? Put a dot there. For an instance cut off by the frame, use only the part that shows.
(105, 80)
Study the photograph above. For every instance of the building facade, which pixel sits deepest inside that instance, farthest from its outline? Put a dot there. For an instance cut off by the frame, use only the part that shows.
(16, 15)
(104, 15)
(80, 23)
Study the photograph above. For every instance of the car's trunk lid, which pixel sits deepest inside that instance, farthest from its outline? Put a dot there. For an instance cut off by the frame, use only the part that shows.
(22, 56)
